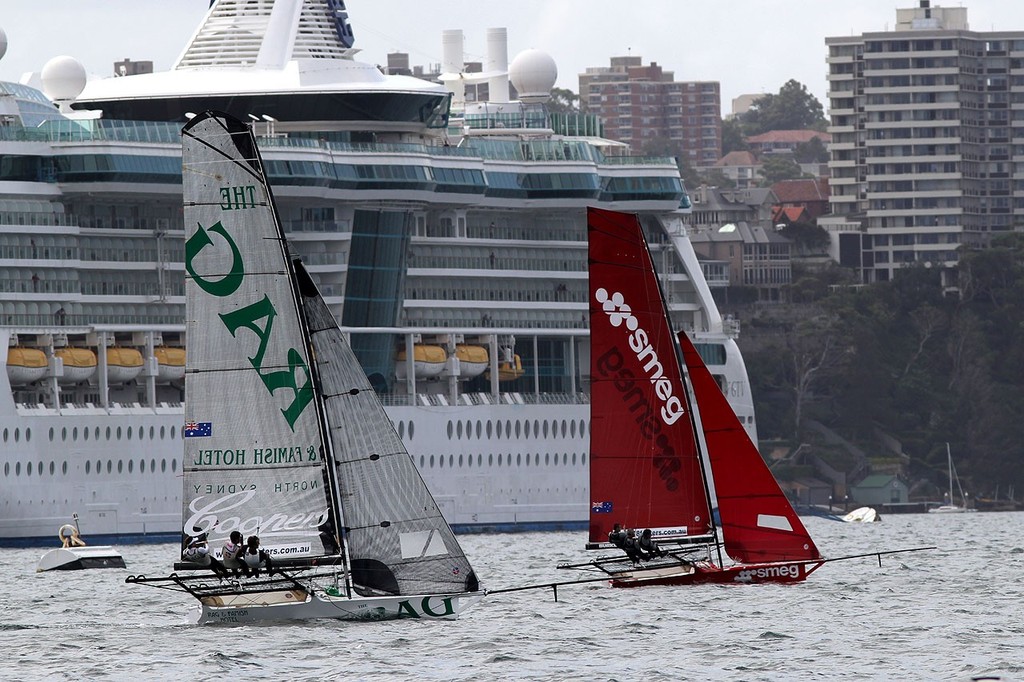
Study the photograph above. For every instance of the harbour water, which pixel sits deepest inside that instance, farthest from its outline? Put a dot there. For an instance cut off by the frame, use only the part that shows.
(947, 614)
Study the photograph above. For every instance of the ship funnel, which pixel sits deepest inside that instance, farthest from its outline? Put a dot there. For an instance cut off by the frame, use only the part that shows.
(497, 64)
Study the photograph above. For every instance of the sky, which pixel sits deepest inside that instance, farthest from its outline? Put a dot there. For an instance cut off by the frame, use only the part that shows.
(749, 46)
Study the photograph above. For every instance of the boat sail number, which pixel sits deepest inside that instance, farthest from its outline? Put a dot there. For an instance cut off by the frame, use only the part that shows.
(256, 317)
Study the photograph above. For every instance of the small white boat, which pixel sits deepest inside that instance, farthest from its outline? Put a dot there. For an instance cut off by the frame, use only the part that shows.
(75, 555)
(952, 508)
(862, 515)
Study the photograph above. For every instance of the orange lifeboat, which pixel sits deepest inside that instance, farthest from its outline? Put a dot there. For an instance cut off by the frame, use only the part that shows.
(25, 365)
(170, 363)
(79, 364)
(123, 364)
(428, 361)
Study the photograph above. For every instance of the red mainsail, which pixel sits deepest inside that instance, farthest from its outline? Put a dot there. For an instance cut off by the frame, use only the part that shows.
(758, 523)
(645, 469)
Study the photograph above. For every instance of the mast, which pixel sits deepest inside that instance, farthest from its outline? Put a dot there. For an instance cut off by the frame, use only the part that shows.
(949, 465)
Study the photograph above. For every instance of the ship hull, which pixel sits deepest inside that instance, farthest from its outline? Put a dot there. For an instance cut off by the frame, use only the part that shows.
(707, 573)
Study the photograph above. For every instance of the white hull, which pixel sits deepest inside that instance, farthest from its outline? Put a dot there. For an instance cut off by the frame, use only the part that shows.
(950, 509)
(79, 558)
(254, 609)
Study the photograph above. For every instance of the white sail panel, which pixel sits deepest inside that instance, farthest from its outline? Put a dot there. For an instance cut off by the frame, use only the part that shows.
(253, 445)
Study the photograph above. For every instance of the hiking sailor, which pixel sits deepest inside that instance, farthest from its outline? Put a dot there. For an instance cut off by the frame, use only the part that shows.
(648, 547)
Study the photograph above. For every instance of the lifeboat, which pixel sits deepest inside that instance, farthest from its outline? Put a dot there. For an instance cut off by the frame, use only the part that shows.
(25, 365)
(170, 363)
(428, 361)
(509, 371)
(123, 364)
(79, 364)
(472, 360)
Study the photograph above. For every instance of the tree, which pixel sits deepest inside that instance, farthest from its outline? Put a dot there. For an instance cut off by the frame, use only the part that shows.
(732, 137)
(793, 108)
(812, 151)
(563, 101)
(775, 168)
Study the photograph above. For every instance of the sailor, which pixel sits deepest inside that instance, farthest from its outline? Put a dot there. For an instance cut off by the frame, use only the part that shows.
(617, 536)
(253, 557)
(648, 547)
(231, 552)
(198, 552)
(631, 546)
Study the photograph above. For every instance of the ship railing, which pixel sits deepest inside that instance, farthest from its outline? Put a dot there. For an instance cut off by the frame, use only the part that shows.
(476, 399)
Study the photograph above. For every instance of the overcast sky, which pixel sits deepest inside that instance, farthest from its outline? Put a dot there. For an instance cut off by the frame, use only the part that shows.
(748, 46)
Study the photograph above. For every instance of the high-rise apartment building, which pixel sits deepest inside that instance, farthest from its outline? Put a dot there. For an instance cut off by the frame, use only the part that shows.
(644, 106)
(927, 151)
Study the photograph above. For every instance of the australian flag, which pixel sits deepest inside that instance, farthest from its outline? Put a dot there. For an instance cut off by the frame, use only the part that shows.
(601, 507)
(198, 429)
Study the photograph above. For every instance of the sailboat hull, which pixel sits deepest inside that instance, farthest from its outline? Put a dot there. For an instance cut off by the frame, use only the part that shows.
(705, 572)
(296, 604)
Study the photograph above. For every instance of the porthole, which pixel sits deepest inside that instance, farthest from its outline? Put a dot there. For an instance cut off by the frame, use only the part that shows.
(583, 430)
(87, 467)
(440, 462)
(74, 433)
(141, 431)
(64, 466)
(162, 433)
(545, 428)
(7, 468)
(422, 461)
(469, 461)
(490, 429)
(518, 428)
(401, 429)
(458, 430)
(110, 466)
(129, 433)
(120, 466)
(536, 428)
(152, 464)
(460, 461)
(28, 435)
(519, 460)
(152, 433)
(508, 428)
(174, 462)
(490, 460)
(499, 428)
(431, 461)
(451, 461)
(28, 469)
(142, 466)
(547, 458)
(17, 469)
(526, 428)
(64, 434)
(469, 430)
(583, 459)
(97, 433)
(173, 436)
(479, 429)
(99, 466)
(85, 434)
(499, 459)
(17, 435)
(536, 459)
(480, 458)
(53, 468)
(5, 435)
(108, 433)
(119, 433)
(574, 459)
(565, 428)
(565, 458)
(163, 462)
(51, 434)
(572, 428)
(412, 428)
(131, 466)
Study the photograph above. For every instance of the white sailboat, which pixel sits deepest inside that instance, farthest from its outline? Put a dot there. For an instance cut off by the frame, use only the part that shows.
(74, 554)
(952, 508)
(284, 435)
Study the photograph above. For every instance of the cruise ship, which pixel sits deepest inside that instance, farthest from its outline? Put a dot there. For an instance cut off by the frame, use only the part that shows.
(447, 234)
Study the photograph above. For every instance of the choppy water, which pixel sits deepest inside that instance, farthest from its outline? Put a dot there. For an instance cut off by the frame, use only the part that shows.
(950, 614)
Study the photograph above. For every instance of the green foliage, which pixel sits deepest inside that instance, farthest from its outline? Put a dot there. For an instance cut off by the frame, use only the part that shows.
(775, 168)
(908, 361)
(793, 108)
(812, 151)
(563, 101)
(733, 139)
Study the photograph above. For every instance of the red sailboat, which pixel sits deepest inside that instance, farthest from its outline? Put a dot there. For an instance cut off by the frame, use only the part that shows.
(646, 467)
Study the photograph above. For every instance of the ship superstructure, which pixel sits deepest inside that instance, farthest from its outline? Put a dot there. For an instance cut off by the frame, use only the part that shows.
(450, 241)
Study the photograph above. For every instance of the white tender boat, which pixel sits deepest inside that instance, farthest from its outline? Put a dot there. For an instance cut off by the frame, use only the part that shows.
(75, 555)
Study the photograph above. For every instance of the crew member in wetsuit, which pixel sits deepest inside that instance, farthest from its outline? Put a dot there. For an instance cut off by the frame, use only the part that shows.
(617, 536)
(631, 546)
(648, 547)
(253, 558)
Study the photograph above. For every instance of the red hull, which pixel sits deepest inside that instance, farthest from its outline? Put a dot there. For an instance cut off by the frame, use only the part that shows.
(705, 572)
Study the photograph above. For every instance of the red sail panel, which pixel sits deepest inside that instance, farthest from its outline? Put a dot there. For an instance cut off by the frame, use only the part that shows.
(645, 469)
(757, 521)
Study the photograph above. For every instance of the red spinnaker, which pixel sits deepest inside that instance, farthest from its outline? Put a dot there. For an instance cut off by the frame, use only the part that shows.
(645, 469)
(758, 523)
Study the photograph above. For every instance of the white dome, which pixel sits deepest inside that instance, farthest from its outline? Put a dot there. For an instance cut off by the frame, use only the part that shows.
(63, 78)
(533, 73)
(3, 43)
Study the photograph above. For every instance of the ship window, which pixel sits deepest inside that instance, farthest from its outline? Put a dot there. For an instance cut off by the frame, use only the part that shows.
(431, 461)
(499, 428)
(411, 427)
(508, 428)
(469, 461)
(163, 462)
(490, 460)
(130, 466)
(440, 462)
(545, 428)
(5, 435)
(536, 459)
(423, 461)
(141, 431)
(74, 434)
(51, 434)
(142, 466)
(173, 431)
(582, 428)
(110, 466)
(401, 429)
(479, 428)
(469, 429)
(536, 428)
(53, 468)
(458, 430)
(519, 460)
(565, 458)
(526, 428)
(97, 433)
(129, 433)
(479, 460)
(152, 433)
(460, 461)
(518, 427)
(490, 429)
(119, 433)
(451, 461)
(574, 459)
(572, 428)
(87, 466)
(28, 469)
(64, 466)
(162, 433)
(152, 464)
(499, 459)
(174, 462)
(64, 434)
(28, 435)
(120, 466)
(99, 466)
(17, 469)
(85, 434)
(583, 458)
(547, 458)
(17, 435)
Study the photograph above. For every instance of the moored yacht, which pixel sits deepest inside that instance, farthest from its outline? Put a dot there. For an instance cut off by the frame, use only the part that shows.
(447, 236)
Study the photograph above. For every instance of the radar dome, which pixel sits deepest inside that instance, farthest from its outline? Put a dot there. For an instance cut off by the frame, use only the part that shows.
(533, 73)
(3, 43)
(63, 78)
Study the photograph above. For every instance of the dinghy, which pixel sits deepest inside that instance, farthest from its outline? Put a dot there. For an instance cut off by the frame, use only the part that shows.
(75, 555)
(285, 437)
